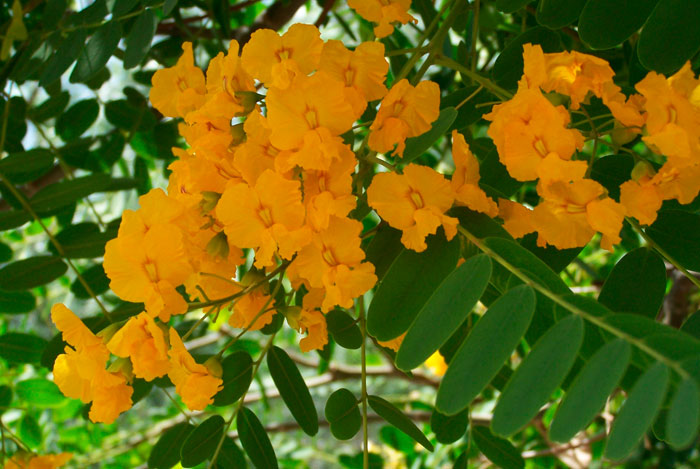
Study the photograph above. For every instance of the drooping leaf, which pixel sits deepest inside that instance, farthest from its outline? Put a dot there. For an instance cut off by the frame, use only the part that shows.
(138, 42)
(31, 272)
(486, 349)
(18, 347)
(202, 441)
(416, 146)
(343, 414)
(39, 392)
(540, 373)
(65, 55)
(606, 23)
(237, 375)
(97, 52)
(449, 428)
(684, 415)
(408, 284)
(445, 310)
(52, 107)
(394, 416)
(166, 452)
(254, 440)
(637, 412)
(344, 329)
(498, 450)
(589, 391)
(96, 279)
(66, 192)
(293, 389)
(26, 166)
(77, 119)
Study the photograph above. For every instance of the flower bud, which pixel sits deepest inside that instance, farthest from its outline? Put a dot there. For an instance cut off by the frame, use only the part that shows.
(218, 246)
(213, 364)
(238, 134)
(108, 332)
(247, 99)
(209, 201)
(123, 366)
(292, 313)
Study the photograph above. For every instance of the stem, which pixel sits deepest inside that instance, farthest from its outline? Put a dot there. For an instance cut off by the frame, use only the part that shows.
(470, 97)
(363, 359)
(488, 84)
(572, 308)
(475, 35)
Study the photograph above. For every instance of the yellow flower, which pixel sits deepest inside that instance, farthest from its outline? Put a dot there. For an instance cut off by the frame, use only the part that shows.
(255, 309)
(312, 322)
(180, 89)
(275, 60)
(394, 343)
(194, 383)
(436, 363)
(517, 219)
(406, 111)
(142, 340)
(268, 217)
(384, 12)
(257, 153)
(414, 202)
(465, 179)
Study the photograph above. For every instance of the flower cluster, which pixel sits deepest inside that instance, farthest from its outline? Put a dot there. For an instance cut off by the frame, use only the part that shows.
(23, 460)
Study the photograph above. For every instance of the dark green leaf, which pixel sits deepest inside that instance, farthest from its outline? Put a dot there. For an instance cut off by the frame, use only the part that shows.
(30, 431)
(255, 441)
(16, 302)
(408, 284)
(13, 219)
(344, 329)
(17, 347)
(589, 391)
(416, 146)
(30, 273)
(65, 55)
(128, 116)
(52, 107)
(237, 375)
(611, 171)
(26, 166)
(684, 415)
(556, 14)
(511, 6)
(486, 349)
(508, 67)
(676, 22)
(122, 7)
(138, 42)
(343, 414)
(637, 412)
(230, 456)
(166, 452)
(97, 52)
(449, 428)
(606, 23)
(447, 308)
(82, 241)
(64, 193)
(499, 451)
(540, 373)
(96, 279)
(678, 233)
(5, 398)
(293, 389)
(202, 442)
(5, 255)
(39, 392)
(394, 416)
(637, 284)
(77, 119)
(383, 249)
(470, 101)
(168, 6)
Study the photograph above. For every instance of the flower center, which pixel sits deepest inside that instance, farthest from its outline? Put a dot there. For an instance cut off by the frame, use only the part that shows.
(265, 216)
(328, 256)
(311, 118)
(283, 54)
(349, 76)
(151, 271)
(540, 147)
(416, 199)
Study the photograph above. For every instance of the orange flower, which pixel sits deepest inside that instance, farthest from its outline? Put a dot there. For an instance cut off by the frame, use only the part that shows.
(180, 89)
(255, 305)
(194, 383)
(405, 112)
(414, 202)
(333, 261)
(275, 60)
(257, 153)
(142, 340)
(268, 217)
(626, 110)
(517, 219)
(465, 179)
(436, 363)
(30, 461)
(571, 213)
(527, 129)
(384, 12)
(394, 343)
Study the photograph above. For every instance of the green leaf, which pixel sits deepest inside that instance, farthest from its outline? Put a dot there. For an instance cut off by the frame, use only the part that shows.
(30, 431)
(611, 171)
(676, 21)
(606, 23)
(127, 116)
(168, 6)
(344, 329)
(26, 166)
(637, 412)
(684, 415)
(343, 414)
(556, 14)
(678, 233)
(508, 67)
(16, 302)
(18, 347)
(254, 440)
(637, 284)
(499, 451)
(589, 391)
(407, 285)
(230, 456)
(383, 248)
(5, 398)
(394, 416)
(449, 428)
(486, 349)
(82, 241)
(96, 279)
(447, 308)
(40, 392)
(30, 273)
(540, 373)
(66, 192)
(52, 107)
(202, 442)
(416, 146)
(77, 119)
(123, 7)
(65, 55)
(470, 101)
(5, 253)
(13, 219)
(511, 6)
(293, 389)
(97, 52)
(166, 452)
(237, 375)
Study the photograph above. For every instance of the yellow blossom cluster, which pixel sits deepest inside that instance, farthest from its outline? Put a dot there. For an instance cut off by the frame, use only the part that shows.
(23, 460)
